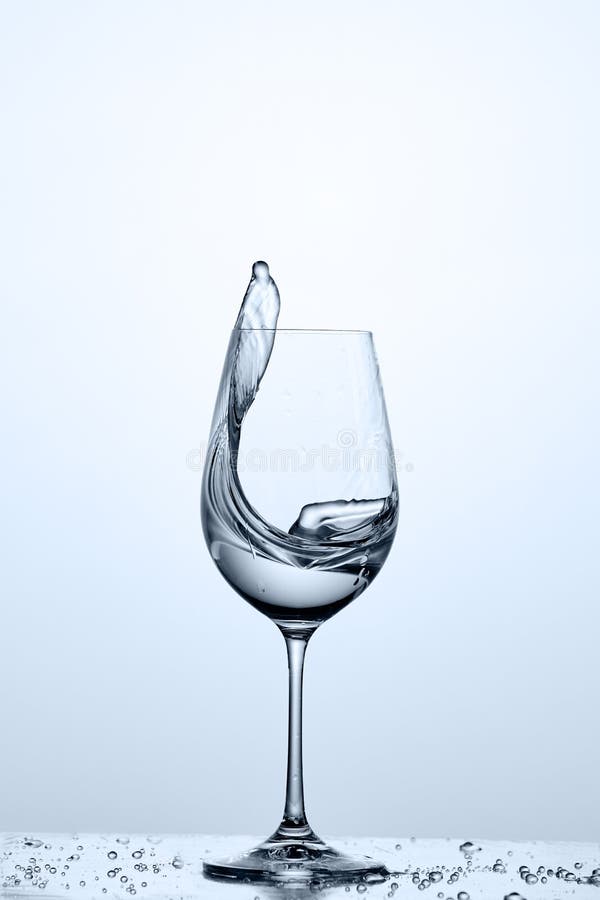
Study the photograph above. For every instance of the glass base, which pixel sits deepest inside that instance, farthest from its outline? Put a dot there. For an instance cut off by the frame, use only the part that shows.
(297, 862)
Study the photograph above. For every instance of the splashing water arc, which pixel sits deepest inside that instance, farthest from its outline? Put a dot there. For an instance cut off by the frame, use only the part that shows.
(334, 536)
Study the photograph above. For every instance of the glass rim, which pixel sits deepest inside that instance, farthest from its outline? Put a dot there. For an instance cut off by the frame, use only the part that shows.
(356, 331)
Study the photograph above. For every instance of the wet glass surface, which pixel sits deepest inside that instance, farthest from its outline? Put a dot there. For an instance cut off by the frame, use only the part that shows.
(170, 866)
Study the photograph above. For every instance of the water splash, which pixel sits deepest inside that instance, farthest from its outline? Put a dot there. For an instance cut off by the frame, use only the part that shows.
(340, 545)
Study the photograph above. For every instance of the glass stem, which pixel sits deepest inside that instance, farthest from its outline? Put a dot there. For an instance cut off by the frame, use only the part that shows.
(294, 823)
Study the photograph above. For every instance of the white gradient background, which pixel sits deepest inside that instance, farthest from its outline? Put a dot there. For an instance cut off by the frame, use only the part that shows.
(428, 170)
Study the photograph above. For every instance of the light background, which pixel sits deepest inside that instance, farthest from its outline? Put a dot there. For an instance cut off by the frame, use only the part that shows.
(428, 170)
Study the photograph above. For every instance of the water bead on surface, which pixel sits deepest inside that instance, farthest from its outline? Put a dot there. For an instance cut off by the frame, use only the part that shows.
(112, 854)
(462, 895)
(469, 848)
(177, 862)
(531, 878)
(361, 888)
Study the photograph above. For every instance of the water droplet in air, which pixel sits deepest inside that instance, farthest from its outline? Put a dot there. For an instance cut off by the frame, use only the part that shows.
(361, 888)
(112, 854)
(435, 877)
(462, 895)
(398, 846)
(111, 873)
(124, 878)
(82, 884)
(531, 878)
(137, 854)
(578, 865)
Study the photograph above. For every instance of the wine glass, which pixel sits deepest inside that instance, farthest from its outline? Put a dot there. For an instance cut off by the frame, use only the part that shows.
(299, 510)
